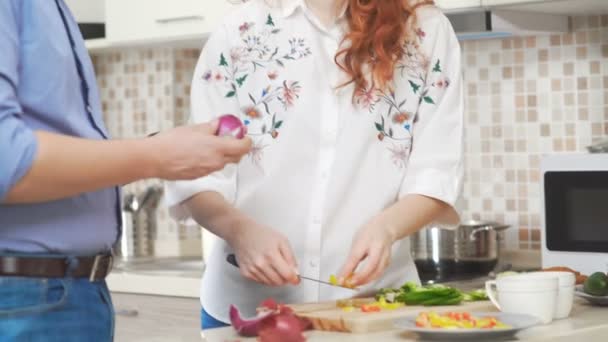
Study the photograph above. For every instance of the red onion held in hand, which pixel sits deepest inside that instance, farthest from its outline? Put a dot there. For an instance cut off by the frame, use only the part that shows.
(231, 126)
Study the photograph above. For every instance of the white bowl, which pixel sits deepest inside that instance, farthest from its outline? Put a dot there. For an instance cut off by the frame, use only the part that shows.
(564, 278)
(536, 281)
(535, 296)
(565, 292)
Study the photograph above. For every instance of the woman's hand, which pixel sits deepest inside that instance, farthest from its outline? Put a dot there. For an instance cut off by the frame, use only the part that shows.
(374, 241)
(264, 255)
(372, 244)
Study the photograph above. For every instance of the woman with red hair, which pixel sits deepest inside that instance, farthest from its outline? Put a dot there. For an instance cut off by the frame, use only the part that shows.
(355, 110)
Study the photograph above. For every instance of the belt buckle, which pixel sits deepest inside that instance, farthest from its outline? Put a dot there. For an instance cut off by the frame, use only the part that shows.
(95, 268)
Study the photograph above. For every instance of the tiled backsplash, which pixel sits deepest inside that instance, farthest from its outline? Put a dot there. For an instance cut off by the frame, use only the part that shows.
(524, 97)
(145, 91)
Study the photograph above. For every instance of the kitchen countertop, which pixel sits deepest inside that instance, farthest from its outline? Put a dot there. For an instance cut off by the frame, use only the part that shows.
(159, 284)
(586, 323)
(181, 277)
(178, 277)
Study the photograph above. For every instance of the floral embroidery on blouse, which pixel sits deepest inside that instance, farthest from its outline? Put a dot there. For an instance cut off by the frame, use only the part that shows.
(395, 122)
(256, 52)
(399, 154)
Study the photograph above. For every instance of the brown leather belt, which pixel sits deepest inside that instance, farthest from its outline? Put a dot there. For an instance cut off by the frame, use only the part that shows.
(95, 268)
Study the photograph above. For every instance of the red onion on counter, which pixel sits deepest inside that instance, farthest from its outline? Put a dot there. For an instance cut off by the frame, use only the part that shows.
(247, 327)
(282, 328)
(275, 323)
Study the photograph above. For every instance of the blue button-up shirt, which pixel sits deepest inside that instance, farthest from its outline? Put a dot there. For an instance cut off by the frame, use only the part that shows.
(40, 89)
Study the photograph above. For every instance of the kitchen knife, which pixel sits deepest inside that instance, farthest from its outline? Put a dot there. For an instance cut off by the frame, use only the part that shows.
(231, 259)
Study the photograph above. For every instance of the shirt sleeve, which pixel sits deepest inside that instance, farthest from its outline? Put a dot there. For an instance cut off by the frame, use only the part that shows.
(435, 167)
(18, 143)
(212, 95)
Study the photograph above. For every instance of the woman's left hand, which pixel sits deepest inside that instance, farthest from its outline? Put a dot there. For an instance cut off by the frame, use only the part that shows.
(372, 243)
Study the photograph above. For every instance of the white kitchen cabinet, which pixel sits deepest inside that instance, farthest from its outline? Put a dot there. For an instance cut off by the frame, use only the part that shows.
(568, 7)
(156, 318)
(162, 20)
(87, 11)
(456, 5)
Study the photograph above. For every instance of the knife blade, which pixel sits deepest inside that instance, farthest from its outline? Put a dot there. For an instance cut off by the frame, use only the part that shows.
(231, 259)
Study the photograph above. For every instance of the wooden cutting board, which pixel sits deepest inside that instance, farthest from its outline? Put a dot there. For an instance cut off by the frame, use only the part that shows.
(328, 317)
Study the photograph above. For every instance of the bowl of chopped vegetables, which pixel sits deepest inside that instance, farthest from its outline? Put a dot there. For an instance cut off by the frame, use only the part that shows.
(467, 326)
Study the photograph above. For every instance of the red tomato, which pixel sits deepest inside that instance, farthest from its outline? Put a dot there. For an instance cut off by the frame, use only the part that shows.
(422, 321)
(370, 308)
(457, 316)
(489, 325)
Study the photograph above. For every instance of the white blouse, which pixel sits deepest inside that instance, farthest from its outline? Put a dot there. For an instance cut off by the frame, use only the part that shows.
(321, 165)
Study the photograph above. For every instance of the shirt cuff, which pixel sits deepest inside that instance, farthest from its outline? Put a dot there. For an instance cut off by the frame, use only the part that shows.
(179, 191)
(441, 186)
(18, 149)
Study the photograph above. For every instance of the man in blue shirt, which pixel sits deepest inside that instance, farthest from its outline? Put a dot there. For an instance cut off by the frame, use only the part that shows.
(59, 204)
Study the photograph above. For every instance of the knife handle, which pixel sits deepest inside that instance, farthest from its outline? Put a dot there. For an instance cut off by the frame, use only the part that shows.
(231, 258)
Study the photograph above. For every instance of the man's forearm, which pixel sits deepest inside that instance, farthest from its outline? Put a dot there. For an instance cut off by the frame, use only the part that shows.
(210, 210)
(414, 212)
(65, 166)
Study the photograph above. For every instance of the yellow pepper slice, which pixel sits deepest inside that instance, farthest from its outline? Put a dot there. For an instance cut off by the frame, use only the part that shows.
(457, 320)
(386, 305)
(346, 283)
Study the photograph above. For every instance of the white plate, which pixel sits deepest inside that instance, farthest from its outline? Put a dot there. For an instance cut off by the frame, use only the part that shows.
(595, 300)
(515, 321)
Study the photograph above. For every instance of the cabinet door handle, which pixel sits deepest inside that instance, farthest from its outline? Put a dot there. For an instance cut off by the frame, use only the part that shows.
(180, 18)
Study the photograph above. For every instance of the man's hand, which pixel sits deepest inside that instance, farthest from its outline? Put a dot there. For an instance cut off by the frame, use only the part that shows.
(190, 152)
(65, 166)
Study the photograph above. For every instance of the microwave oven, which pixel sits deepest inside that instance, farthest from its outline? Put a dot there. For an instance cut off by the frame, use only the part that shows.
(574, 195)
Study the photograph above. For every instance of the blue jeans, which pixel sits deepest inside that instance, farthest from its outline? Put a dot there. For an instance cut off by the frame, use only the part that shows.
(55, 309)
(210, 322)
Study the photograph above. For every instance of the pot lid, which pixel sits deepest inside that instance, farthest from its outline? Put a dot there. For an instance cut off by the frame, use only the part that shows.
(479, 223)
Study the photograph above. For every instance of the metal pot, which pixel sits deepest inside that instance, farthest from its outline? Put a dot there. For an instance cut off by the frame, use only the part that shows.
(468, 251)
(125, 250)
(139, 225)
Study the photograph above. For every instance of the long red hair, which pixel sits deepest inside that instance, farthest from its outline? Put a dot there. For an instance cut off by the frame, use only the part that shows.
(374, 43)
